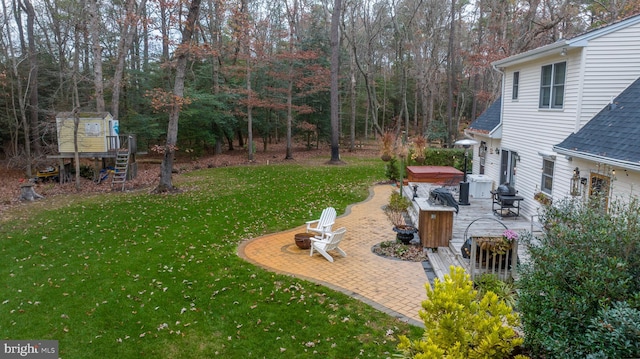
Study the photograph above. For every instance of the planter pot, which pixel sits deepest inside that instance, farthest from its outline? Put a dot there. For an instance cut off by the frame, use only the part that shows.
(405, 233)
(542, 198)
(385, 157)
(302, 240)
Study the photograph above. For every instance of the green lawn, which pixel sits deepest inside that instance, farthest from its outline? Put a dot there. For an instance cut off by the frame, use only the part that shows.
(139, 275)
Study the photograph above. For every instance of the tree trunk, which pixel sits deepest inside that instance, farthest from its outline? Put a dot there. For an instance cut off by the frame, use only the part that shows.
(215, 31)
(166, 166)
(164, 30)
(292, 14)
(33, 79)
(76, 103)
(94, 25)
(20, 95)
(450, 75)
(335, 72)
(130, 21)
(354, 99)
(249, 114)
(289, 151)
(27, 193)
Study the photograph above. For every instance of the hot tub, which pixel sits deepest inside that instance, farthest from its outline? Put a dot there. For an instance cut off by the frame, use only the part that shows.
(434, 174)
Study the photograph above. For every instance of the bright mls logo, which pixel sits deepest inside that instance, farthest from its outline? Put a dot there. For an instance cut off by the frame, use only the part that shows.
(32, 349)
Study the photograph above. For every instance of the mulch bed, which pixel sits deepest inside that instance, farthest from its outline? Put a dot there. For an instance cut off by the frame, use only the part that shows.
(399, 251)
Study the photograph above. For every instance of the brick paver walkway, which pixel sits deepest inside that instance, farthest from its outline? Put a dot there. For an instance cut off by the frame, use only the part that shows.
(396, 287)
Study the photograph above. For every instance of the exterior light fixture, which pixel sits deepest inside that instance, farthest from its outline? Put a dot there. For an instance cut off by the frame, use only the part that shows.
(575, 182)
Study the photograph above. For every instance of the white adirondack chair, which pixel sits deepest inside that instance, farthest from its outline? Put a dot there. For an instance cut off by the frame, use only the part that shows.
(323, 225)
(329, 242)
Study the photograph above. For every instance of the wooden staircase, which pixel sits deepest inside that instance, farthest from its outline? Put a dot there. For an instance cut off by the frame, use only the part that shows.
(121, 168)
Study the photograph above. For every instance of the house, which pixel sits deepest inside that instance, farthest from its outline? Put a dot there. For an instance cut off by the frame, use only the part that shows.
(568, 119)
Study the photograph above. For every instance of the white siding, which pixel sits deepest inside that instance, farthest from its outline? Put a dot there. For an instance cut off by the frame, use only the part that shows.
(612, 63)
(529, 130)
(492, 159)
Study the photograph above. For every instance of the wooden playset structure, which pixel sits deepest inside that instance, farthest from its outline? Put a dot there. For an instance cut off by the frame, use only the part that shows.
(95, 135)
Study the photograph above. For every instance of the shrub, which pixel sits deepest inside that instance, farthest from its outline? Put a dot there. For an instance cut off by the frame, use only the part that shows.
(587, 260)
(396, 208)
(491, 283)
(392, 170)
(615, 333)
(458, 324)
(388, 140)
(87, 171)
(446, 157)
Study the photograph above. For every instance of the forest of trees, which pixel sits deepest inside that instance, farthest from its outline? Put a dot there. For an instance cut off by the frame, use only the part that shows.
(260, 70)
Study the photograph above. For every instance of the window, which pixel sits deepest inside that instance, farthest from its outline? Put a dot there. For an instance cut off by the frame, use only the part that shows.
(92, 129)
(552, 85)
(547, 176)
(516, 83)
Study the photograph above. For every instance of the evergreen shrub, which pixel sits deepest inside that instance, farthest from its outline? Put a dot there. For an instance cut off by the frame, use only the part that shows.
(587, 260)
(615, 333)
(392, 171)
(459, 324)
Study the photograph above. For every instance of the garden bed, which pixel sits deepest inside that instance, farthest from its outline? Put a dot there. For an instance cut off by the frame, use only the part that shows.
(399, 251)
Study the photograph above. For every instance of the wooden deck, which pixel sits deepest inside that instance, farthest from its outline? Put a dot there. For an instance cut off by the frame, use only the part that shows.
(476, 219)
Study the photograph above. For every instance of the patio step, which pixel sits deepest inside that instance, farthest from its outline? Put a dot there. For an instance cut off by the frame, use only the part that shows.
(442, 259)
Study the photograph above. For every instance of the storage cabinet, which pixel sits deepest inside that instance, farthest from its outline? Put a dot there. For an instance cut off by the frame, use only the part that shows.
(435, 224)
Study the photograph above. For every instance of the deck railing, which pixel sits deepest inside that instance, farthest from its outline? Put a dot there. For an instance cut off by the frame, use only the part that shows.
(115, 143)
(484, 259)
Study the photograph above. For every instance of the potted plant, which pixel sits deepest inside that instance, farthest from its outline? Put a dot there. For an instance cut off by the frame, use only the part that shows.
(542, 198)
(387, 146)
(395, 210)
(498, 245)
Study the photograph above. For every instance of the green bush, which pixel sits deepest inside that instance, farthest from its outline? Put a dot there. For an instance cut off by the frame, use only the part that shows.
(615, 333)
(396, 208)
(458, 324)
(447, 157)
(392, 171)
(587, 260)
(87, 171)
(488, 282)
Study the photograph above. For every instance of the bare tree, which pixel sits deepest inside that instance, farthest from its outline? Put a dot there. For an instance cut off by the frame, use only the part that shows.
(335, 90)
(129, 23)
(20, 94)
(33, 76)
(166, 167)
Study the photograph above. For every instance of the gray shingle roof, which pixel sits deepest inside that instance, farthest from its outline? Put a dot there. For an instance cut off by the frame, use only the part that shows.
(614, 132)
(489, 119)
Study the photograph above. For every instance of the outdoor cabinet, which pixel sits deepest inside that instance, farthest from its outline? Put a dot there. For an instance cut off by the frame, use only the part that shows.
(435, 225)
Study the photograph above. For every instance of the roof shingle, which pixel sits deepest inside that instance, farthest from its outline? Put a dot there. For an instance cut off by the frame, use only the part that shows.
(489, 119)
(612, 133)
